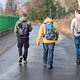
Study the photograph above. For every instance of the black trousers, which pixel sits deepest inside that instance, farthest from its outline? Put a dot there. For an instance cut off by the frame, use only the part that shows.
(23, 42)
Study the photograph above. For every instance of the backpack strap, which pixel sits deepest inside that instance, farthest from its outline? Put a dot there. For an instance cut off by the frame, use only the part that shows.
(44, 28)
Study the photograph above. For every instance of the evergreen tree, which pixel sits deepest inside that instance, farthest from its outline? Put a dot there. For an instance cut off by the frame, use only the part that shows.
(60, 11)
(45, 7)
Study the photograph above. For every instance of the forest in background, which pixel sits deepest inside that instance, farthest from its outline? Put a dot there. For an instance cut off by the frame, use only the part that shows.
(38, 9)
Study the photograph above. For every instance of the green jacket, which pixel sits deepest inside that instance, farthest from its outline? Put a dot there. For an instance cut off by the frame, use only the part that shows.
(19, 21)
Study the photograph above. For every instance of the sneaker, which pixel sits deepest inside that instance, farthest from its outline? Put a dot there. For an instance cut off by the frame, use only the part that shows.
(50, 67)
(20, 60)
(45, 64)
(20, 63)
(25, 62)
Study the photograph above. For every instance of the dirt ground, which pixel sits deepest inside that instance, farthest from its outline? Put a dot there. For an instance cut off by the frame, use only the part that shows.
(6, 42)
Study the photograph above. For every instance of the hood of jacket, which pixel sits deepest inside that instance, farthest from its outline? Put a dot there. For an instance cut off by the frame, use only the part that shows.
(48, 20)
(77, 16)
(23, 19)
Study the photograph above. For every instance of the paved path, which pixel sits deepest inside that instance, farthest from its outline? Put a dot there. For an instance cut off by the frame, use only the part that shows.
(6, 42)
(65, 67)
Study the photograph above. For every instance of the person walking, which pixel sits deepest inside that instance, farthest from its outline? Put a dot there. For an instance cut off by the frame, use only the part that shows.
(49, 33)
(21, 30)
(75, 29)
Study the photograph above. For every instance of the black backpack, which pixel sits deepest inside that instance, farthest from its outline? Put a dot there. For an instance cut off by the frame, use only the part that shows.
(22, 29)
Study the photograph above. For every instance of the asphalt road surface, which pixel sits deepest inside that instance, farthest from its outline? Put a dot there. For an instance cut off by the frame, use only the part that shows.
(65, 67)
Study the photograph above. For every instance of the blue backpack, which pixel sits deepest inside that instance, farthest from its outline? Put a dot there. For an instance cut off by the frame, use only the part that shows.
(49, 31)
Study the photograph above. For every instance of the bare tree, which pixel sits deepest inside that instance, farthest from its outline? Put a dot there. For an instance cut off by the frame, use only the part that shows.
(1, 10)
(69, 4)
(11, 7)
(21, 2)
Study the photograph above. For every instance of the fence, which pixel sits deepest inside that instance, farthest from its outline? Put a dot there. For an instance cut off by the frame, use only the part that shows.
(7, 22)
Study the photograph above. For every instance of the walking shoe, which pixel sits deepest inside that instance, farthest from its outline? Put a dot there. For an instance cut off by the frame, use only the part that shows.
(20, 60)
(50, 67)
(25, 62)
(78, 61)
(45, 64)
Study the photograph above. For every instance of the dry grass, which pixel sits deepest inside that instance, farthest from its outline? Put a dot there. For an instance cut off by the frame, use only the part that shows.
(65, 26)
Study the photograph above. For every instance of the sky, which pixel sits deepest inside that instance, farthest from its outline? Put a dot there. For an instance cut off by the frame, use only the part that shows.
(3, 3)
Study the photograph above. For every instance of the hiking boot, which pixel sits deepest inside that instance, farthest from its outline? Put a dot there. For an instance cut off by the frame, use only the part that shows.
(20, 60)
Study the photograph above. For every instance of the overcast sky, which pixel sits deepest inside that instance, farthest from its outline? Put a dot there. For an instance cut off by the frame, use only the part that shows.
(3, 3)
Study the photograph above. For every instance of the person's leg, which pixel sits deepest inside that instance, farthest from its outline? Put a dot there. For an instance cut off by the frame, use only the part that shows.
(45, 53)
(25, 53)
(50, 54)
(77, 47)
(26, 46)
(20, 45)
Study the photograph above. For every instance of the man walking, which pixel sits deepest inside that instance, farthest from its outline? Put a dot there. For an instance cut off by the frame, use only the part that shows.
(75, 29)
(21, 30)
(49, 33)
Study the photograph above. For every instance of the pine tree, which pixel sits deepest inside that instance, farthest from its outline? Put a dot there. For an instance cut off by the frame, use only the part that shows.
(45, 8)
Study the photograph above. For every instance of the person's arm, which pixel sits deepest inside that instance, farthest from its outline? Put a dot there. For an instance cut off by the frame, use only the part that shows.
(15, 28)
(72, 26)
(57, 31)
(40, 34)
(29, 26)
